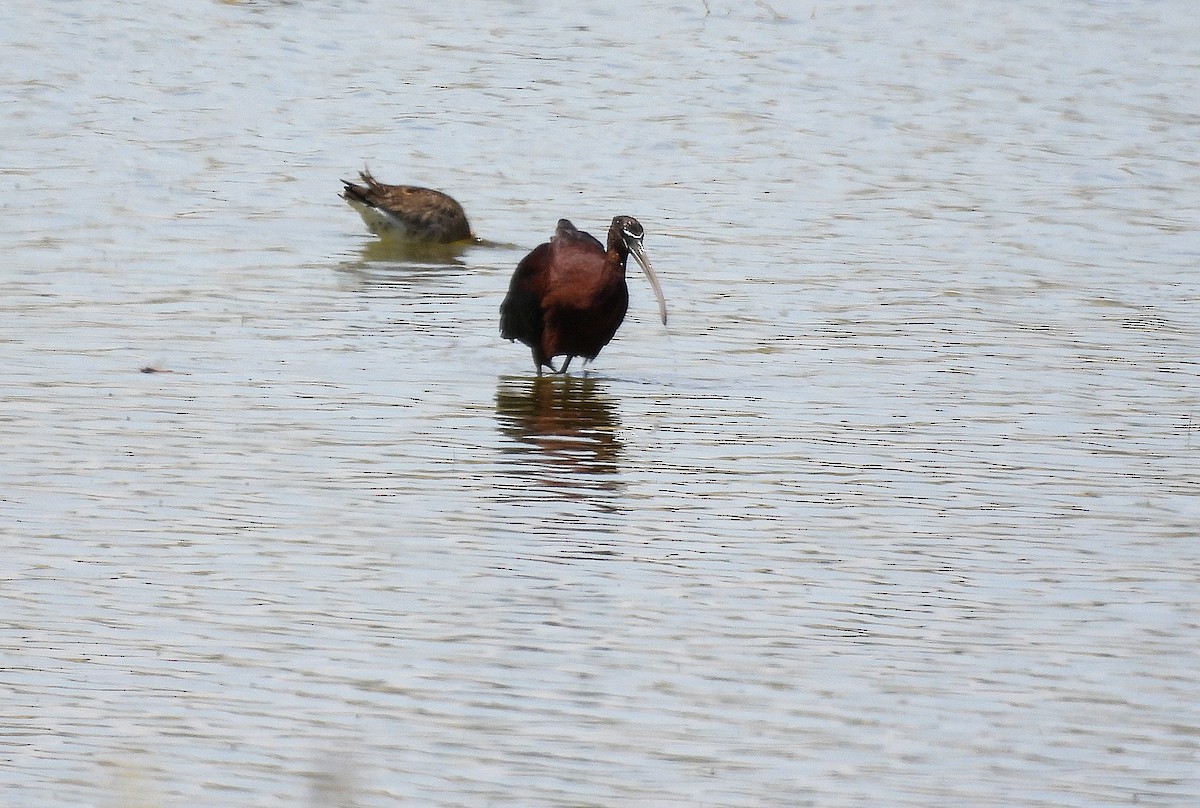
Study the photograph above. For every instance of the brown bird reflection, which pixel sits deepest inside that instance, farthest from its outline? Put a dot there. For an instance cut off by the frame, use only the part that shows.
(404, 254)
(560, 422)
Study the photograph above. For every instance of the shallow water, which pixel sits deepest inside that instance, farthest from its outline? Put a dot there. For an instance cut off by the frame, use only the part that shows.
(901, 508)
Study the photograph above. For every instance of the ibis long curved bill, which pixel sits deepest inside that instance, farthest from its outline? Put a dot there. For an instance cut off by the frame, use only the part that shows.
(639, 255)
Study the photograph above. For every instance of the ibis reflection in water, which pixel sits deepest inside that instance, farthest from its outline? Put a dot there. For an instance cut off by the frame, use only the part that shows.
(568, 297)
(561, 424)
(407, 213)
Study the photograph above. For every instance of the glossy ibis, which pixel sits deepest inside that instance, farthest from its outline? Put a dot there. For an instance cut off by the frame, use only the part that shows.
(406, 213)
(568, 297)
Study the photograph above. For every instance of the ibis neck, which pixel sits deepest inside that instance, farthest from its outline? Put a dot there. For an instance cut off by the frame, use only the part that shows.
(616, 261)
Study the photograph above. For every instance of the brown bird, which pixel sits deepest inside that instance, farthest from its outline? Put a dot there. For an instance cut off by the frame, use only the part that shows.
(568, 297)
(407, 213)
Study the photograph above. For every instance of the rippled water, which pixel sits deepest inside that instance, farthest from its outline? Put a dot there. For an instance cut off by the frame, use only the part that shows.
(901, 508)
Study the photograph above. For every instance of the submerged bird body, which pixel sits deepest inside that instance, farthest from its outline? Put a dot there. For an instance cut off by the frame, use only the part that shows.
(407, 213)
(568, 297)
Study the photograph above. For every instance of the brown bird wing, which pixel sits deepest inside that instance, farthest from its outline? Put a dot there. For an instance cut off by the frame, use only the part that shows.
(566, 233)
(521, 311)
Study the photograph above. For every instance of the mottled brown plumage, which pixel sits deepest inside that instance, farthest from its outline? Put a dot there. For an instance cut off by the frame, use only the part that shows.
(407, 213)
(568, 297)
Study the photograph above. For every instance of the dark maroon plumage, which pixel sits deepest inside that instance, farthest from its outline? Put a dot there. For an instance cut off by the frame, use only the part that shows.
(568, 297)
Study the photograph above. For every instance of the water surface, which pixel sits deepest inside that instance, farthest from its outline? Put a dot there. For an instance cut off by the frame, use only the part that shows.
(899, 509)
